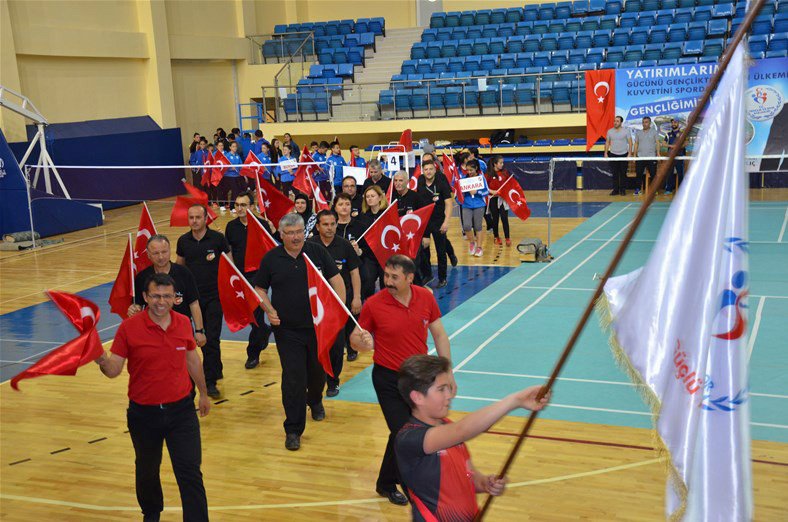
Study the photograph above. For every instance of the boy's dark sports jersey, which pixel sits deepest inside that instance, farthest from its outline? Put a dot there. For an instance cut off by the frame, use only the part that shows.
(440, 484)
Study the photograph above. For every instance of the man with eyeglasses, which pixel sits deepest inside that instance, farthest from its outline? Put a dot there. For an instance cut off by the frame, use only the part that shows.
(160, 349)
(283, 270)
(236, 236)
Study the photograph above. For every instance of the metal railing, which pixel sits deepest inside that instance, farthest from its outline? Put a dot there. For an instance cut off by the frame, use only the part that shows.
(361, 101)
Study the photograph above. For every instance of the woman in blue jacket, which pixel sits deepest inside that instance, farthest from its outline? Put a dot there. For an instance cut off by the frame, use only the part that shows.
(232, 180)
(286, 170)
(472, 209)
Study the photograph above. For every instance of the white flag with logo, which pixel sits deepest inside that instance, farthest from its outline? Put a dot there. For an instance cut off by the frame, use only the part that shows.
(679, 323)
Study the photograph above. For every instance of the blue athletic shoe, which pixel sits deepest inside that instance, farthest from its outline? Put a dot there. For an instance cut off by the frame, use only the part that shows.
(668, 192)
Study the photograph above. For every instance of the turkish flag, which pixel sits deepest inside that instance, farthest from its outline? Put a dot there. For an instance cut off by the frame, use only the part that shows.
(328, 313)
(271, 202)
(413, 180)
(406, 140)
(66, 359)
(239, 300)
(145, 230)
(600, 104)
(385, 235)
(513, 194)
(320, 199)
(413, 226)
(258, 243)
(453, 176)
(390, 191)
(252, 168)
(122, 294)
(218, 172)
(207, 160)
(180, 211)
(305, 174)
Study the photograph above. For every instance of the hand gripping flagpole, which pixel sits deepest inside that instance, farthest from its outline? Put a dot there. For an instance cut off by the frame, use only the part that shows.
(662, 171)
(340, 301)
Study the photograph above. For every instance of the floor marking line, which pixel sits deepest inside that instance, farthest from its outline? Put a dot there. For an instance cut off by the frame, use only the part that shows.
(60, 286)
(26, 359)
(579, 289)
(756, 324)
(591, 381)
(513, 290)
(654, 241)
(27, 341)
(538, 300)
(782, 230)
(584, 473)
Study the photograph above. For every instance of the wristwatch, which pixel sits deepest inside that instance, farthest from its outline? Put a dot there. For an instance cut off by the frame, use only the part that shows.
(200, 330)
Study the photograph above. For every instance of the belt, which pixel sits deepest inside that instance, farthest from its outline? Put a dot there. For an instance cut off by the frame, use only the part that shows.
(165, 405)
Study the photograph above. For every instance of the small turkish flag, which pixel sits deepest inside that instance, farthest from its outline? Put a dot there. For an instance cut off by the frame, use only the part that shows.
(207, 160)
(413, 181)
(218, 172)
(145, 230)
(239, 300)
(600, 104)
(272, 203)
(66, 359)
(252, 168)
(180, 211)
(328, 313)
(390, 191)
(122, 294)
(513, 194)
(305, 174)
(258, 243)
(385, 235)
(453, 176)
(413, 226)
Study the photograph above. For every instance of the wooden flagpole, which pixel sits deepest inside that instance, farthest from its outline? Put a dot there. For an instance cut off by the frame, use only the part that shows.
(667, 166)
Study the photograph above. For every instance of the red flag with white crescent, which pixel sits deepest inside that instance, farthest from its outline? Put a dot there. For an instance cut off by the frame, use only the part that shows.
(413, 180)
(271, 202)
(180, 211)
(218, 172)
(329, 314)
(145, 230)
(600, 104)
(453, 176)
(207, 160)
(122, 294)
(385, 235)
(513, 194)
(258, 243)
(252, 167)
(66, 359)
(239, 300)
(413, 226)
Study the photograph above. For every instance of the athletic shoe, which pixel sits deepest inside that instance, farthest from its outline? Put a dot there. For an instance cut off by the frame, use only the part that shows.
(478, 252)
(497, 241)
(213, 391)
(453, 259)
(252, 362)
(508, 242)
(471, 248)
(614, 192)
(352, 356)
(332, 391)
(395, 497)
(668, 192)
(292, 441)
(318, 412)
(637, 192)
(442, 283)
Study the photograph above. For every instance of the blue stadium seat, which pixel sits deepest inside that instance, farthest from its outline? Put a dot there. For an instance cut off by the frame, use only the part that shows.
(563, 10)
(735, 23)
(688, 60)
(549, 42)
(628, 20)
(762, 24)
(506, 30)
(531, 12)
(409, 66)
(692, 48)
(652, 52)
(419, 50)
(620, 37)
(696, 31)
(489, 61)
(647, 63)
(609, 22)
(615, 54)
(545, 96)
(664, 17)
(465, 48)
(467, 18)
(524, 28)
(580, 7)
(561, 95)
(686, 4)
(541, 27)
(542, 59)
(776, 54)
(444, 34)
(577, 56)
(507, 61)
(429, 35)
(705, 2)
(488, 99)
(556, 26)
(514, 76)
(778, 42)
(590, 23)
(584, 40)
(453, 19)
(515, 44)
(438, 20)
(345, 70)
(524, 98)
(422, 67)
(601, 38)
(480, 46)
(490, 31)
(514, 15)
(440, 65)
(524, 60)
(759, 43)
(419, 104)
(355, 55)
(723, 10)
(713, 47)
(647, 19)
(668, 61)
(633, 6)
(497, 46)
(573, 26)
(627, 65)
(595, 56)
(682, 16)
(452, 99)
(717, 27)
(470, 33)
(671, 50)
(781, 22)
(546, 11)
(566, 41)
(782, 7)
(651, 5)
(559, 57)
(639, 36)
(612, 8)
(678, 33)
(483, 17)
(457, 64)
(498, 16)
(588, 66)
(658, 34)
(550, 73)
(447, 50)
(473, 63)
(634, 53)
(471, 100)
(402, 103)
(532, 43)
(702, 13)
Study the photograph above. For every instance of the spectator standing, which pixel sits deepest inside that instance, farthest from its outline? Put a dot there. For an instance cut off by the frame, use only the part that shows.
(618, 144)
(646, 146)
(499, 210)
(678, 166)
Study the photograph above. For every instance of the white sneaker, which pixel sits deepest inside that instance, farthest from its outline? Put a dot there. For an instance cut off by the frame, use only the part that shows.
(478, 252)
(471, 248)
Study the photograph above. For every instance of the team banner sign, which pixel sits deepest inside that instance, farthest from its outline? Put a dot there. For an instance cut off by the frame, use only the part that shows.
(672, 92)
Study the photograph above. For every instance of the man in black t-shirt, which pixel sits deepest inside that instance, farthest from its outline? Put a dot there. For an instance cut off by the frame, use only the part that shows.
(435, 189)
(376, 177)
(348, 264)
(186, 294)
(199, 250)
(236, 236)
(407, 200)
(350, 188)
(283, 271)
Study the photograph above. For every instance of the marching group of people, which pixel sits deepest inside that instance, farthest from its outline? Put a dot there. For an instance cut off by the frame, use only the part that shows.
(392, 313)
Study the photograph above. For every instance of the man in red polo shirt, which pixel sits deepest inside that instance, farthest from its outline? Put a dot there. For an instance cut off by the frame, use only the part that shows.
(394, 322)
(160, 348)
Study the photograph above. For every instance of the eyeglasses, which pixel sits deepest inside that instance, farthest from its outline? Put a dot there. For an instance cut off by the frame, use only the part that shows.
(293, 233)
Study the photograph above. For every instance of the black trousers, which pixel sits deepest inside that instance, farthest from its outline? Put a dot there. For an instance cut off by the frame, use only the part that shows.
(337, 359)
(234, 186)
(640, 171)
(619, 171)
(371, 272)
(439, 240)
(678, 170)
(349, 327)
(259, 335)
(303, 378)
(176, 423)
(396, 412)
(501, 214)
(211, 309)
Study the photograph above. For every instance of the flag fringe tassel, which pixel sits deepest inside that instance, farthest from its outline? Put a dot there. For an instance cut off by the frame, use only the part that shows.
(602, 307)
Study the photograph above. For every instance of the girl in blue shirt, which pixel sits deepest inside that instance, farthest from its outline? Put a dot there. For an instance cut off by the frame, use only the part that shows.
(232, 181)
(286, 173)
(473, 208)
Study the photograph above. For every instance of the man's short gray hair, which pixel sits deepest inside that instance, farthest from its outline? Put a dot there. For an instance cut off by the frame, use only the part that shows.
(401, 173)
(291, 220)
(157, 237)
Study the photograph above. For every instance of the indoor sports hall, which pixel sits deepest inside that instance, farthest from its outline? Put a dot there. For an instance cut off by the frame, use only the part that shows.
(102, 107)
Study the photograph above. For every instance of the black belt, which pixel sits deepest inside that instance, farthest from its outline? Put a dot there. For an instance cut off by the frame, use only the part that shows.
(165, 405)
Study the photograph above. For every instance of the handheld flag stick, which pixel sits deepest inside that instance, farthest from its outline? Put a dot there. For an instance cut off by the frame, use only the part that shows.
(662, 172)
(340, 301)
(131, 266)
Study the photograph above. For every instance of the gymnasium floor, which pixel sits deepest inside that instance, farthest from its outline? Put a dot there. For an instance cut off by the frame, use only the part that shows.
(64, 454)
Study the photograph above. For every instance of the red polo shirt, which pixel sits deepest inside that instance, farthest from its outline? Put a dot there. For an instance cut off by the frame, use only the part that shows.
(156, 358)
(400, 331)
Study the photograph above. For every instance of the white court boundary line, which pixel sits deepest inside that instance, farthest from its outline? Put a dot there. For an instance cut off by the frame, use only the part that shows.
(782, 230)
(589, 381)
(756, 325)
(513, 290)
(654, 241)
(252, 507)
(539, 299)
(578, 289)
(607, 410)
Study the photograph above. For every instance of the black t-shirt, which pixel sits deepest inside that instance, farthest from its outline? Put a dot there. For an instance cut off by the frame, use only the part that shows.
(236, 236)
(202, 258)
(383, 183)
(408, 202)
(436, 193)
(353, 230)
(355, 205)
(185, 287)
(345, 259)
(287, 278)
(441, 483)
